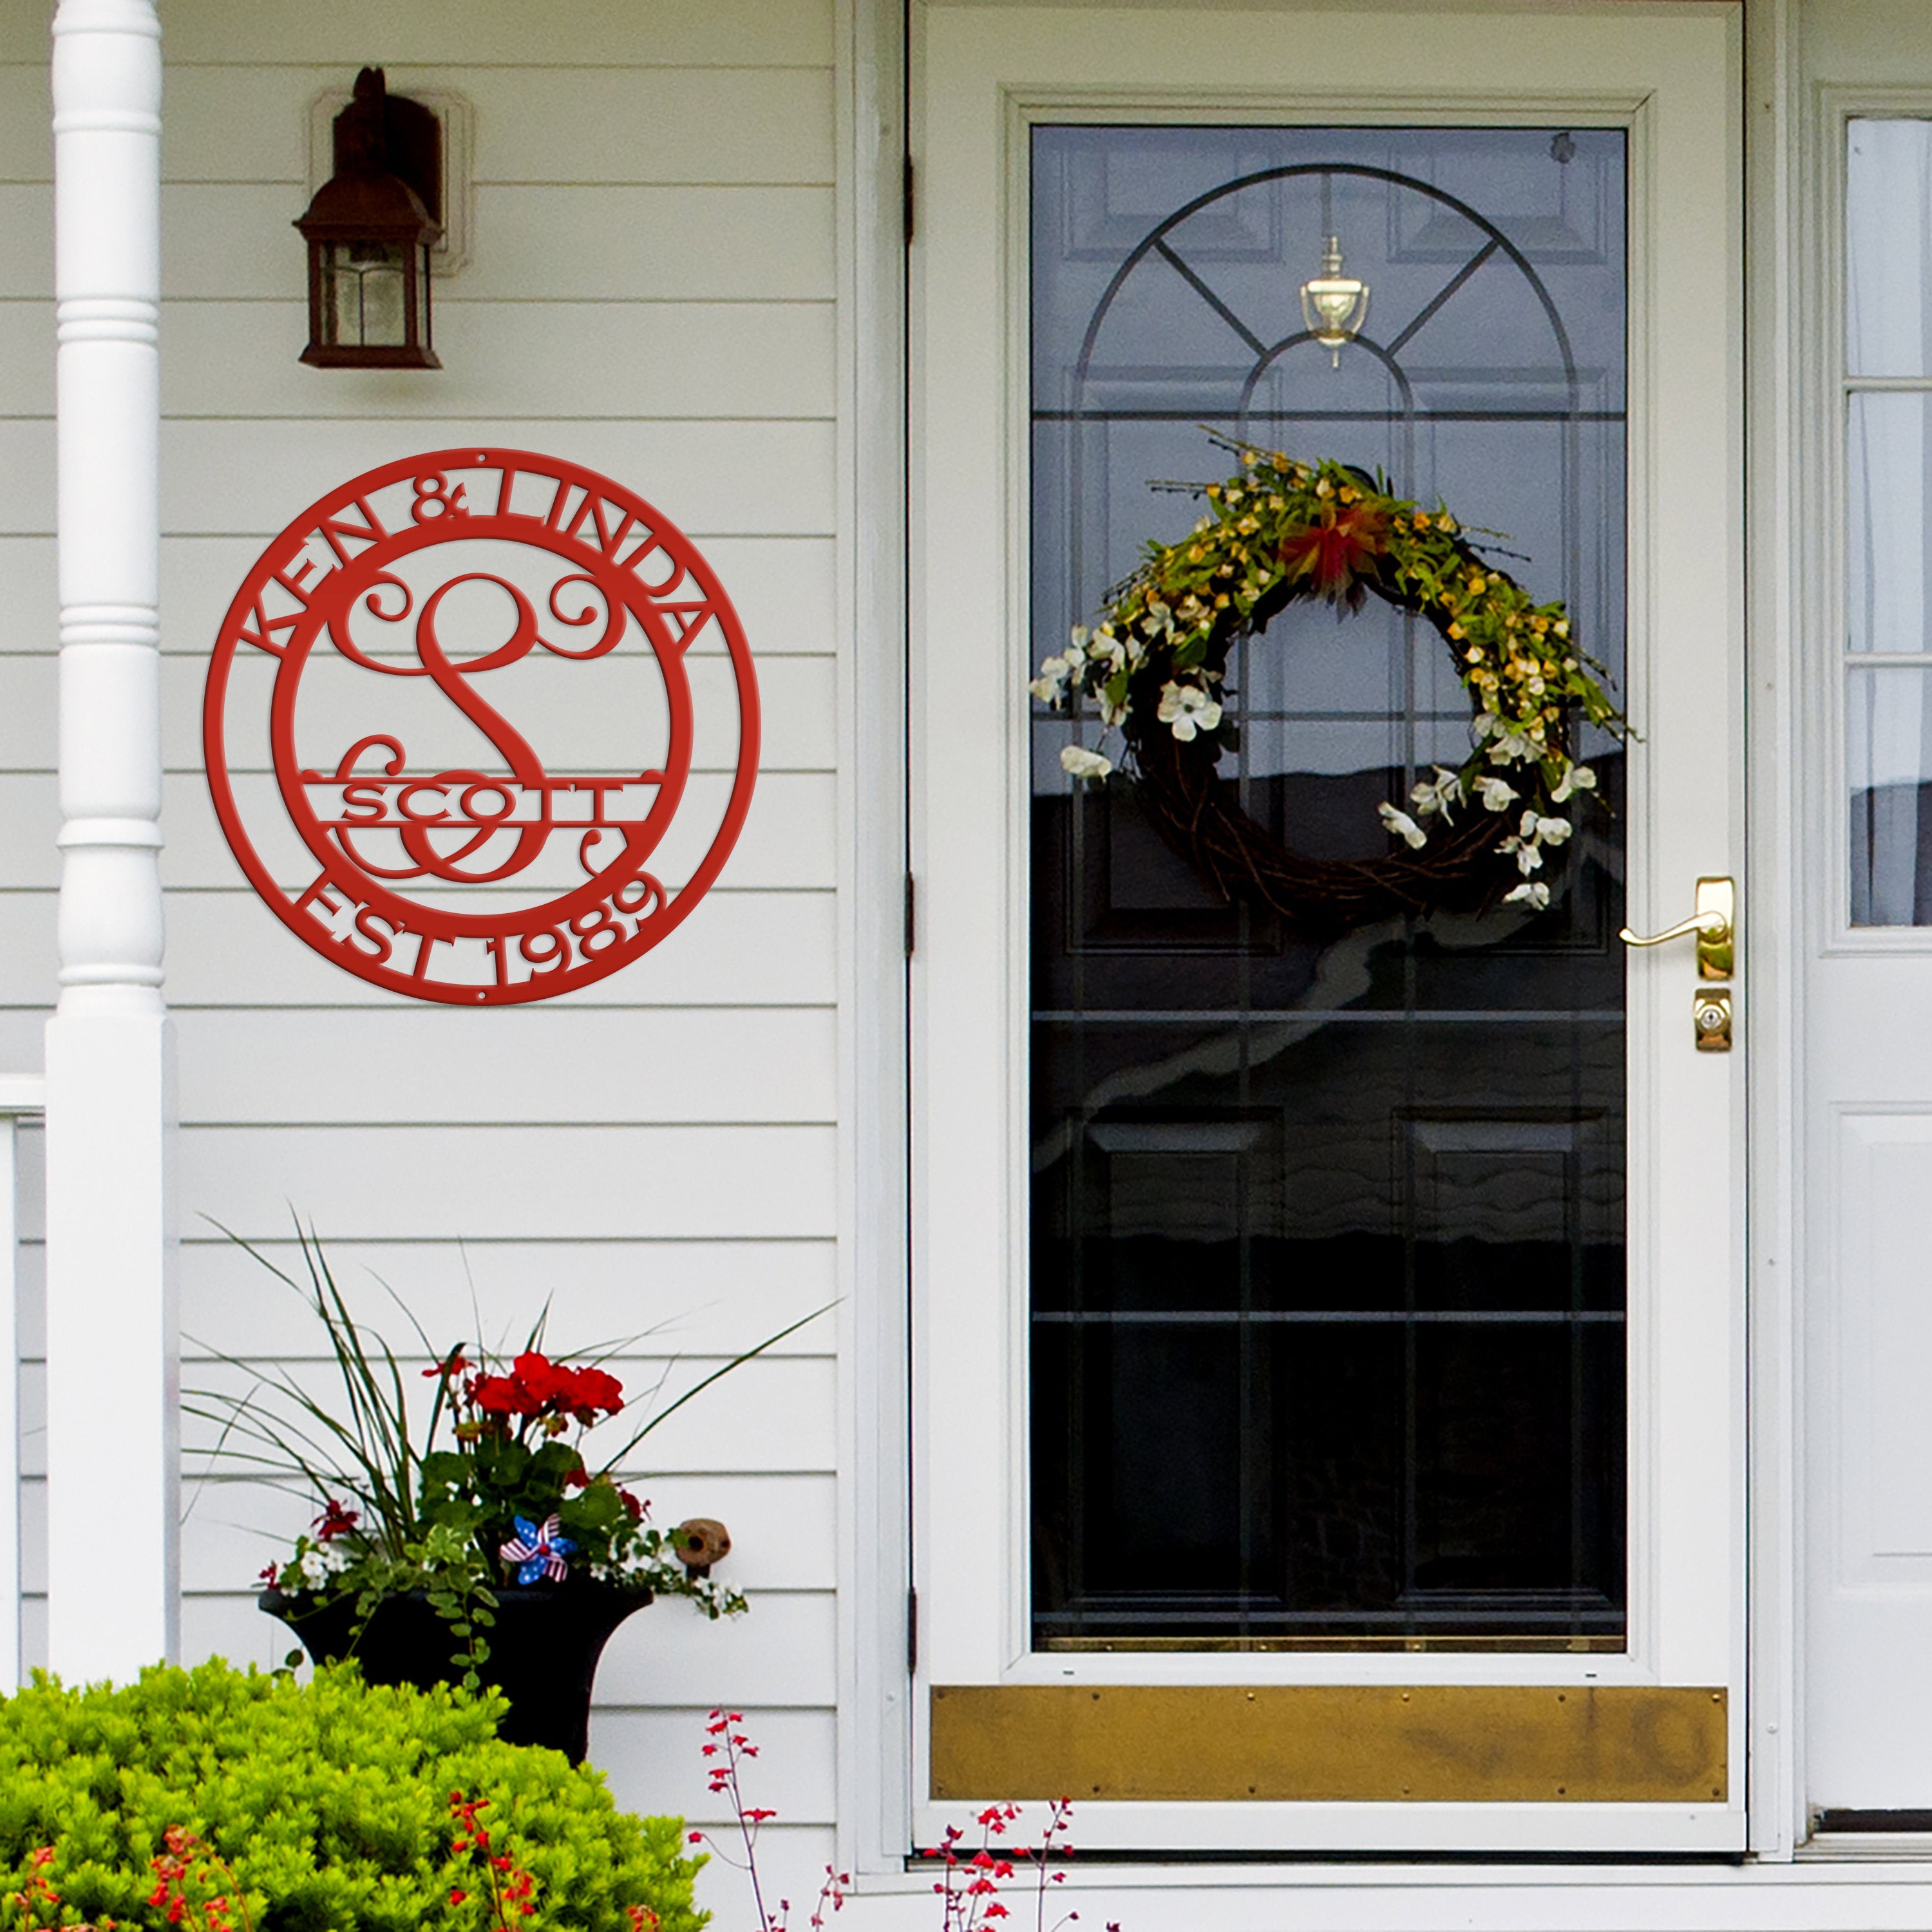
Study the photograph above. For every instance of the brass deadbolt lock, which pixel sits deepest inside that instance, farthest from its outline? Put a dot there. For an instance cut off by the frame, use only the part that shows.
(1710, 1016)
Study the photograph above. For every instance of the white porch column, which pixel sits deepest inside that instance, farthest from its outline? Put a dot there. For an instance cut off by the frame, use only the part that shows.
(111, 1376)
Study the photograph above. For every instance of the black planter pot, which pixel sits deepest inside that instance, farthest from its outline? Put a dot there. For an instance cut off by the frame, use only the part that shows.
(544, 1649)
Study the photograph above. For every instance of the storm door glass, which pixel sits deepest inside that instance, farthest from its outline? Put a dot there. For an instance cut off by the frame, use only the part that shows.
(1327, 1283)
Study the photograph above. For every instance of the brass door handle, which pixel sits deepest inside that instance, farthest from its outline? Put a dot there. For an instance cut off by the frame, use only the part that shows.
(1715, 923)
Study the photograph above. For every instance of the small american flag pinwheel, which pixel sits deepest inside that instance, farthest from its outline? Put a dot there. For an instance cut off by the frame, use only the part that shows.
(539, 1553)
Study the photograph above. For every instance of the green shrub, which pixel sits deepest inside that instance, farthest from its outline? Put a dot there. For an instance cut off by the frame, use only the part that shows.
(330, 1800)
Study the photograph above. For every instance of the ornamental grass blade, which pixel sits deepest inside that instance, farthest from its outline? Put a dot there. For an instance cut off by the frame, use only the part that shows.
(375, 1440)
(716, 1375)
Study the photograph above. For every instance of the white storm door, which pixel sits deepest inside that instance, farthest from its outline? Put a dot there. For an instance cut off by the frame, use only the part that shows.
(1456, 1677)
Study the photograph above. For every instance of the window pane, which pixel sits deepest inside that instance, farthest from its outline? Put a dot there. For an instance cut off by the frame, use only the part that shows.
(1888, 248)
(1327, 1258)
(1889, 758)
(365, 306)
(1889, 507)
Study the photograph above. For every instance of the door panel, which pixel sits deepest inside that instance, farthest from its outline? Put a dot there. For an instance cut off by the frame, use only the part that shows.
(1379, 1327)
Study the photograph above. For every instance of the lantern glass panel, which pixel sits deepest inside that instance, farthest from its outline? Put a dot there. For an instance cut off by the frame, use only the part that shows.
(365, 294)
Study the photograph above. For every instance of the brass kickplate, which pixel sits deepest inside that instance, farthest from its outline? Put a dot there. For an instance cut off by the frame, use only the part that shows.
(1498, 1744)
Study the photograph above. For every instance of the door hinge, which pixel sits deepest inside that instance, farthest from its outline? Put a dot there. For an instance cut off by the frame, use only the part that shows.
(909, 223)
(912, 1633)
(911, 916)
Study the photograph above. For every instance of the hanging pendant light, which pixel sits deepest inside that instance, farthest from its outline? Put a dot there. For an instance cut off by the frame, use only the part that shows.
(1335, 305)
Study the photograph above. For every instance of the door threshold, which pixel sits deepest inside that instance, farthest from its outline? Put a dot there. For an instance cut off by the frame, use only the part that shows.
(1869, 1836)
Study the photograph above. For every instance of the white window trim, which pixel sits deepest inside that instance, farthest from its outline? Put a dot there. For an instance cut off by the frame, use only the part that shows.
(1820, 503)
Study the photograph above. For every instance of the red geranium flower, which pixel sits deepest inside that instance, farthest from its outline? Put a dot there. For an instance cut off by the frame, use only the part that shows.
(543, 1378)
(503, 1395)
(335, 1520)
(592, 1391)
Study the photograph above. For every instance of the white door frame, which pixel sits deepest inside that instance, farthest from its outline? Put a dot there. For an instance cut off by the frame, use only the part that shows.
(1774, 915)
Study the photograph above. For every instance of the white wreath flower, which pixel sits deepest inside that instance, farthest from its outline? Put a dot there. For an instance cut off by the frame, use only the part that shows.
(1404, 827)
(1447, 791)
(1079, 762)
(1054, 672)
(1186, 709)
(1576, 778)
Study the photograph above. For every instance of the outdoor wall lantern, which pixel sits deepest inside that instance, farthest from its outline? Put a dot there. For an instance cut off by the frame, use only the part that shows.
(1334, 305)
(370, 229)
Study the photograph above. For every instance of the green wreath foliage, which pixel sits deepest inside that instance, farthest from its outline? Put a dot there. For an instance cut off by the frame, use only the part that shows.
(330, 1801)
(1284, 530)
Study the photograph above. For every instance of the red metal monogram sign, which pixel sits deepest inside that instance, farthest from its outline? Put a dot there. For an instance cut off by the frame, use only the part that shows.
(481, 726)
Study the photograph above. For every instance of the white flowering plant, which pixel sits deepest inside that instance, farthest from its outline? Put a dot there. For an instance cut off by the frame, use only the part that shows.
(1154, 668)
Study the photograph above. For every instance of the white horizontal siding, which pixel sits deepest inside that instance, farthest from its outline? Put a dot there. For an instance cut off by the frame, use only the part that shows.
(729, 478)
(561, 1183)
(794, 1766)
(786, 843)
(689, 1299)
(651, 293)
(549, 360)
(226, 950)
(781, 587)
(581, 1065)
(689, 1448)
(601, 32)
(26, 244)
(26, 136)
(798, 696)
(26, 472)
(230, 241)
(705, 126)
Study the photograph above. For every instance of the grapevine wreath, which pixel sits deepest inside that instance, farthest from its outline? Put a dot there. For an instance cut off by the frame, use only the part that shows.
(1284, 530)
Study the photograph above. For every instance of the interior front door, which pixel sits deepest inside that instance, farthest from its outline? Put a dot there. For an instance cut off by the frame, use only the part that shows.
(1349, 1304)
(1867, 1068)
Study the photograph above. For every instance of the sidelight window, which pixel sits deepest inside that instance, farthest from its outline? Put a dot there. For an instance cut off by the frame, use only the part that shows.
(1887, 640)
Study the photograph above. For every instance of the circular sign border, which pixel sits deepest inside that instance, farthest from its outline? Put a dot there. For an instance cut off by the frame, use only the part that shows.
(286, 904)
